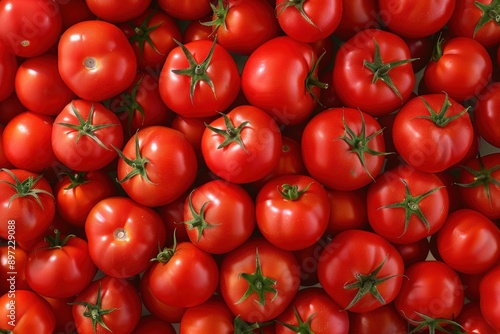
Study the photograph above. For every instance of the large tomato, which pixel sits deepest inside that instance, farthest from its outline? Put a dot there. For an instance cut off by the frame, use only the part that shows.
(487, 112)
(489, 290)
(123, 236)
(96, 60)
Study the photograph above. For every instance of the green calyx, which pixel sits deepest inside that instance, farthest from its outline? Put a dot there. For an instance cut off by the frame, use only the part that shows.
(85, 127)
(165, 254)
(220, 13)
(482, 177)
(77, 179)
(198, 221)
(142, 34)
(292, 192)
(138, 164)
(6, 331)
(197, 71)
(56, 241)
(25, 188)
(381, 70)
(241, 327)
(490, 12)
(411, 206)
(231, 134)
(303, 327)
(299, 5)
(129, 105)
(367, 284)
(440, 118)
(95, 311)
(359, 143)
(434, 324)
(312, 78)
(258, 283)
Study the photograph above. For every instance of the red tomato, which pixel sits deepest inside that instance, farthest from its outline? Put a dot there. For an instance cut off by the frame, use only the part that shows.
(27, 142)
(84, 135)
(74, 11)
(29, 27)
(8, 69)
(309, 21)
(219, 216)
(357, 15)
(312, 311)
(24, 194)
(94, 70)
(63, 311)
(412, 19)
(118, 10)
(420, 50)
(212, 316)
(373, 72)
(199, 79)
(360, 270)
(157, 166)
(152, 325)
(60, 266)
(292, 211)
(489, 290)
(487, 112)
(4, 162)
(192, 128)
(414, 252)
(385, 319)
(10, 107)
(173, 214)
(107, 305)
(26, 312)
(258, 280)
(186, 10)
(343, 148)
(243, 145)
(196, 30)
(432, 132)
(347, 210)
(308, 262)
(13, 258)
(472, 321)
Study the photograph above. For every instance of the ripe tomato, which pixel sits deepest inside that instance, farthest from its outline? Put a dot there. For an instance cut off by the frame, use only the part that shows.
(186, 10)
(343, 148)
(199, 79)
(347, 210)
(243, 145)
(414, 252)
(486, 113)
(258, 280)
(157, 166)
(212, 316)
(432, 132)
(489, 290)
(107, 305)
(74, 11)
(118, 10)
(472, 320)
(357, 15)
(60, 266)
(4, 162)
(13, 257)
(94, 70)
(150, 324)
(373, 72)
(385, 319)
(292, 211)
(84, 135)
(8, 69)
(360, 270)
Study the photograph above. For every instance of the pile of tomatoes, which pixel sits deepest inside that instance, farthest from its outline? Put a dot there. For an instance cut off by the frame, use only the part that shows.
(237, 166)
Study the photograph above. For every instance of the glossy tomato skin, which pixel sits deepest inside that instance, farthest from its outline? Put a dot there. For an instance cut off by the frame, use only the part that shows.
(329, 159)
(118, 11)
(292, 219)
(356, 252)
(414, 252)
(186, 10)
(213, 315)
(469, 242)
(489, 289)
(425, 145)
(472, 320)
(276, 264)
(13, 255)
(313, 303)
(150, 324)
(8, 69)
(74, 11)
(354, 81)
(385, 319)
(357, 15)
(347, 210)
(123, 236)
(486, 112)
(94, 70)
(83, 152)
(4, 162)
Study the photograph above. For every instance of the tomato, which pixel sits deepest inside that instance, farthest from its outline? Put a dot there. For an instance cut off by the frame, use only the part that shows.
(24, 311)
(213, 316)
(186, 10)
(306, 21)
(157, 166)
(152, 36)
(360, 270)
(373, 72)
(199, 79)
(308, 262)
(8, 69)
(414, 252)
(343, 148)
(432, 132)
(13, 258)
(40, 87)
(172, 215)
(312, 311)
(77, 193)
(445, 71)
(357, 15)
(347, 210)
(27, 141)
(94, 70)
(63, 310)
(60, 266)
(74, 11)
(242, 26)
(192, 128)
(183, 275)
(420, 50)
(84, 135)
(292, 211)
(385, 319)
(405, 205)
(486, 113)
(196, 30)
(472, 320)
(152, 325)
(4, 162)
(410, 19)
(243, 145)
(118, 11)
(10, 107)
(469, 242)
(107, 305)
(27, 204)
(30, 27)
(489, 289)
(219, 216)
(258, 280)
(431, 294)
(289, 90)
(123, 236)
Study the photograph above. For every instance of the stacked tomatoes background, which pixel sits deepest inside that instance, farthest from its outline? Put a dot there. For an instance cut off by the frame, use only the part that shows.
(250, 166)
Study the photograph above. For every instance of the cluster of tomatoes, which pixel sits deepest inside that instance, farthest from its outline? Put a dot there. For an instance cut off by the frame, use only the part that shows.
(249, 166)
